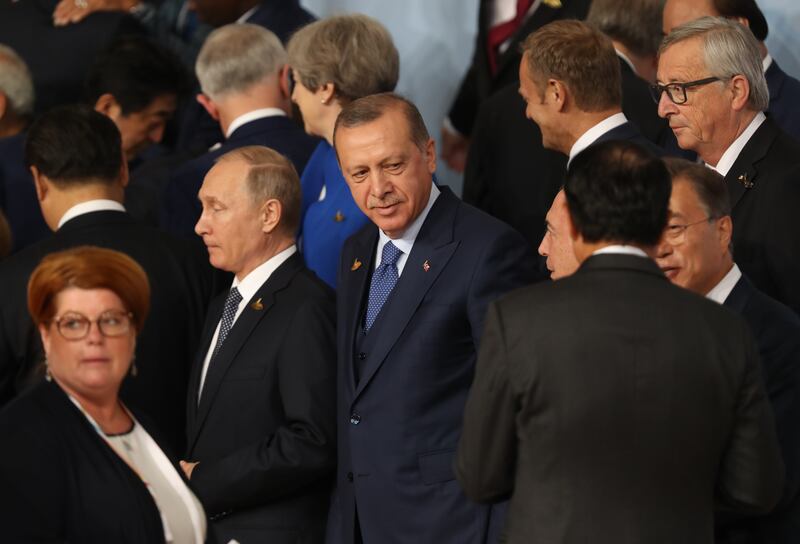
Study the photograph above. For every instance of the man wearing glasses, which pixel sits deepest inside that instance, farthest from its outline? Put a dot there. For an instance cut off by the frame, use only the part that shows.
(695, 254)
(711, 89)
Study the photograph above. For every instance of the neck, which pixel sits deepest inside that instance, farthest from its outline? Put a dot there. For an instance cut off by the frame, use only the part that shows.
(645, 66)
(738, 124)
(273, 245)
(11, 127)
(260, 96)
(330, 121)
(66, 199)
(583, 249)
(722, 271)
(580, 122)
(104, 408)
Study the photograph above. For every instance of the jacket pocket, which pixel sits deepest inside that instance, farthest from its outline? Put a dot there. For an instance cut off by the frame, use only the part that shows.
(436, 467)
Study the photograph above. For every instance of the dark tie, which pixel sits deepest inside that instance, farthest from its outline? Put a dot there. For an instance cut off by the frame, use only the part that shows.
(383, 281)
(231, 305)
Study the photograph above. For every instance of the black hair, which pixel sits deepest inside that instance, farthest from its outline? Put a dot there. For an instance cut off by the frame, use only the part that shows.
(747, 9)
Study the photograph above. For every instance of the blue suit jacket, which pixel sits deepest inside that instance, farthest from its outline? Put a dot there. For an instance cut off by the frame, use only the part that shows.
(629, 132)
(398, 427)
(282, 17)
(776, 329)
(784, 95)
(181, 207)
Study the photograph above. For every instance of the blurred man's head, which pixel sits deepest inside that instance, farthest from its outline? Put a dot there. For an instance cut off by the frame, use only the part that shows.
(556, 244)
(137, 84)
(746, 12)
(695, 250)
(16, 93)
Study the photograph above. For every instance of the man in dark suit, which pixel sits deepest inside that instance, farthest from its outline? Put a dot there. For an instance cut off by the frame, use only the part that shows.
(784, 90)
(502, 26)
(695, 254)
(716, 110)
(76, 159)
(261, 405)
(413, 289)
(607, 421)
(244, 78)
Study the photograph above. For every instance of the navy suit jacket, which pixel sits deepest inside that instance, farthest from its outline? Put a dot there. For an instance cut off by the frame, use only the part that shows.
(398, 427)
(181, 207)
(628, 132)
(777, 332)
(784, 95)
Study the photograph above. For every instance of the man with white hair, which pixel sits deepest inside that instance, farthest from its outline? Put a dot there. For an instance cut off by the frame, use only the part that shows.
(244, 81)
(711, 89)
(17, 195)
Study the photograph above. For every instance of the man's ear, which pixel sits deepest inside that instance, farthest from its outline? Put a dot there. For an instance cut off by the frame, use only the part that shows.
(124, 173)
(558, 93)
(430, 151)
(271, 213)
(3, 105)
(108, 106)
(725, 232)
(740, 88)
(209, 105)
(39, 183)
(283, 81)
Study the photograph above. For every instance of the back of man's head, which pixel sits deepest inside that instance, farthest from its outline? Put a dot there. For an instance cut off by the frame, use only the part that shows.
(16, 84)
(581, 57)
(236, 57)
(136, 71)
(73, 146)
(618, 192)
(636, 24)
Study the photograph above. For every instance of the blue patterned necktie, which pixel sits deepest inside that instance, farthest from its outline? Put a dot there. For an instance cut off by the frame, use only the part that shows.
(231, 305)
(383, 281)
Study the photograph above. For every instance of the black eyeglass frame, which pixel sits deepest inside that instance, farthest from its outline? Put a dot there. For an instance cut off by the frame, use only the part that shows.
(657, 89)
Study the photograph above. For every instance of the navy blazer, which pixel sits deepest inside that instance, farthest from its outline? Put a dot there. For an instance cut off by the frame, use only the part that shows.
(784, 97)
(628, 132)
(282, 17)
(399, 425)
(777, 332)
(182, 209)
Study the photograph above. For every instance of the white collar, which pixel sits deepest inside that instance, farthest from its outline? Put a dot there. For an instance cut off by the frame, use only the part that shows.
(247, 14)
(406, 241)
(625, 58)
(732, 153)
(251, 116)
(621, 249)
(723, 289)
(591, 135)
(98, 205)
(253, 281)
(766, 62)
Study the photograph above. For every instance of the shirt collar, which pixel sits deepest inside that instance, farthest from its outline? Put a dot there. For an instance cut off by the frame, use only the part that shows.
(721, 290)
(406, 241)
(766, 62)
(732, 153)
(627, 61)
(98, 205)
(589, 137)
(260, 274)
(247, 14)
(252, 116)
(621, 249)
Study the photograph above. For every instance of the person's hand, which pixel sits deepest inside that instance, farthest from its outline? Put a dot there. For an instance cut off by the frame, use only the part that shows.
(188, 467)
(454, 149)
(72, 11)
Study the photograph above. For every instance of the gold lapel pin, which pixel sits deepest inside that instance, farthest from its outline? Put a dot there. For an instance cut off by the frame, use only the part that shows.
(338, 217)
(426, 266)
(257, 305)
(555, 4)
(746, 182)
(356, 265)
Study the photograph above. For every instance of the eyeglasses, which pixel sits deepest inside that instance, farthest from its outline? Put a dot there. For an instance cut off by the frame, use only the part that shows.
(75, 326)
(676, 234)
(677, 91)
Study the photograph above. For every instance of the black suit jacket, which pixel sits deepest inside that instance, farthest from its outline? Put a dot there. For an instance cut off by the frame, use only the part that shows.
(180, 283)
(264, 430)
(764, 186)
(777, 332)
(479, 83)
(784, 95)
(613, 422)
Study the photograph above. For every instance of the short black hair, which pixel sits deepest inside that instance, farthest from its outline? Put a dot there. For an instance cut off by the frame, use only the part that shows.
(708, 184)
(618, 191)
(73, 145)
(135, 71)
(747, 9)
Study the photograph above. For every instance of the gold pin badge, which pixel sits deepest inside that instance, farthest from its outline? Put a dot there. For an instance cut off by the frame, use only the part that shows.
(555, 4)
(257, 305)
(356, 265)
(746, 182)
(426, 266)
(338, 217)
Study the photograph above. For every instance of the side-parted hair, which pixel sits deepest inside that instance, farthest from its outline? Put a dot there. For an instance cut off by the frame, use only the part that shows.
(354, 52)
(271, 175)
(370, 108)
(712, 193)
(634, 23)
(75, 145)
(618, 191)
(581, 57)
(88, 267)
(729, 49)
(748, 9)
(16, 82)
(237, 56)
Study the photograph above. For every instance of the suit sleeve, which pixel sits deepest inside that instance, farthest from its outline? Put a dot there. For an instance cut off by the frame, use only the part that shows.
(782, 242)
(303, 450)
(751, 473)
(487, 450)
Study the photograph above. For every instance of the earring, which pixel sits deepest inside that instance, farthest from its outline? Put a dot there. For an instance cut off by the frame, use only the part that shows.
(47, 375)
(134, 370)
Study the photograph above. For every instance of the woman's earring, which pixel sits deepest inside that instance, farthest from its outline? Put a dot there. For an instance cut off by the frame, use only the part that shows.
(134, 370)
(47, 375)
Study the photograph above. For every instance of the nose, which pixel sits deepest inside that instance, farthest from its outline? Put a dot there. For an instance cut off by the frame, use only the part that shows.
(666, 106)
(379, 184)
(94, 335)
(201, 227)
(544, 246)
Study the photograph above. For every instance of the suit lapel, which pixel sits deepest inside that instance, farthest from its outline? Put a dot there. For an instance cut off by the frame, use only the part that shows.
(432, 250)
(739, 295)
(215, 311)
(743, 175)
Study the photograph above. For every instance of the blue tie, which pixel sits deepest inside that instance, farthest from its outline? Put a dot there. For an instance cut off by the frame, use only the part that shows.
(231, 305)
(383, 281)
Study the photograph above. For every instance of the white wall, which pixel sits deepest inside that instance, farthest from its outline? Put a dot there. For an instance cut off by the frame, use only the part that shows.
(783, 40)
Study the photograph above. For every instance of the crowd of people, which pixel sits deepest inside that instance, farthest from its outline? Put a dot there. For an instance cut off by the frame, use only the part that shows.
(239, 307)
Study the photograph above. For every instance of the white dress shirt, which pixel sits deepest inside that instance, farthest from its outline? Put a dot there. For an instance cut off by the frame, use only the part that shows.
(99, 205)
(621, 249)
(732, 153)
(721, 290)
(252, 116)
(591, 135)
(247, 288)
(406, 241)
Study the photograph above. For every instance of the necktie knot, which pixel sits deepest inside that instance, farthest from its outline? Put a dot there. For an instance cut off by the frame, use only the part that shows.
(390, 254)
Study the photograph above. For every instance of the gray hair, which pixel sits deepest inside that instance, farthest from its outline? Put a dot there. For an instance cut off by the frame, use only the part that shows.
(634, 23)
(16, 81)
(729, 49)
(237, 56)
